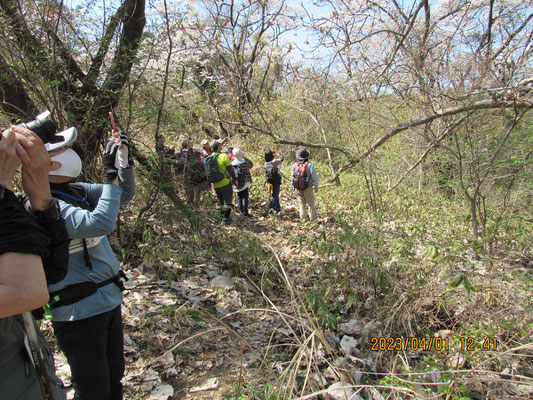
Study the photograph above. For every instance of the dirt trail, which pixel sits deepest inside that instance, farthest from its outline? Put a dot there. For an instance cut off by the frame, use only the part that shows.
(197, 332)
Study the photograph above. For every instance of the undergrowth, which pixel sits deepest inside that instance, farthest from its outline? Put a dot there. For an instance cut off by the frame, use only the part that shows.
(406, 270)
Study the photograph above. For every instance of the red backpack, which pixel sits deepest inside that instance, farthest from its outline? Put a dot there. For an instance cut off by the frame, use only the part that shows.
(300, 179)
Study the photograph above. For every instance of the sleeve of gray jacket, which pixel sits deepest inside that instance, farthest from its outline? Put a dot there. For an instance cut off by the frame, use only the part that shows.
(277, 161)
(314, 176)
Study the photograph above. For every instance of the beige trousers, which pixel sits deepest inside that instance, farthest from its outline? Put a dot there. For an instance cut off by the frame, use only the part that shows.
(307, 199)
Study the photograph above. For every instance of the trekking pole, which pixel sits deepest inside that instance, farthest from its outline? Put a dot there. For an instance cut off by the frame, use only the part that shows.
(43, 373)
(114, 128)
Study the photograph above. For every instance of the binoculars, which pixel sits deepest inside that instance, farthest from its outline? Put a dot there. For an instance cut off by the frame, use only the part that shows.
(43, 127)
(46, 129)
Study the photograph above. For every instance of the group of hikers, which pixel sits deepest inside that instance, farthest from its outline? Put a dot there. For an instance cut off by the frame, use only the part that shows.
(229, 173)
(54, 249)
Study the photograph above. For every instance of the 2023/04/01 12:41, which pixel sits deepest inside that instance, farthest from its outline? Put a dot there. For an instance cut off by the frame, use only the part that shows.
(431, 343)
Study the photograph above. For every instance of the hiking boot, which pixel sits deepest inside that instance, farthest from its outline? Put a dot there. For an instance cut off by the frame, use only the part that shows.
(247, 214)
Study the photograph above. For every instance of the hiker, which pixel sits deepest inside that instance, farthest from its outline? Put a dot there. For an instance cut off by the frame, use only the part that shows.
(168, 156)
(181, 157)
(230, 154)
(206, 146)
(186, 147)
(86, 305)
(220, 173)
(242, 167)
(33, 251)
(194, 179)
(206, 149)
(165, 151)
(305, 182)
(273, 179)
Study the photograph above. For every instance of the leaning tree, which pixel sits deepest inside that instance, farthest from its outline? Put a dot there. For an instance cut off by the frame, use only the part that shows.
(50, 58)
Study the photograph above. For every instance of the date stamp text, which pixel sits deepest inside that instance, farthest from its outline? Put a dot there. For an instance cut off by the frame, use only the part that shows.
(432, 344)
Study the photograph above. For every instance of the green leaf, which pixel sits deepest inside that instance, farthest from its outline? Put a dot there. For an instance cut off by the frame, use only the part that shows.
(196, 316)
(457, 281)
(432, 251)
(468, 285)
(350, 302)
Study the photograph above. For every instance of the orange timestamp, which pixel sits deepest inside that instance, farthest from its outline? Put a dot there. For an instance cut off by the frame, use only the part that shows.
(470, 344)
(409, 343)
(430, 343)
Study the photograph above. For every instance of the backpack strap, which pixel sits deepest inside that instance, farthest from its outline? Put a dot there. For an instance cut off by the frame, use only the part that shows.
(79, 291)
(74, 193)
(226, 173)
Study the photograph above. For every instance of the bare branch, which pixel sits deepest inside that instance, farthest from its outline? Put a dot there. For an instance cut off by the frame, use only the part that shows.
(479, 105)
(433, 145)
(103, 48)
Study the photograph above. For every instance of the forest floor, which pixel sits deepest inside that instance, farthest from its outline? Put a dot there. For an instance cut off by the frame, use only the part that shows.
(212, 328)
(174, 353)
(209, 330)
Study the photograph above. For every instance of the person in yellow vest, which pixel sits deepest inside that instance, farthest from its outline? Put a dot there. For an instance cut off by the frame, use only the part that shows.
(223, 188)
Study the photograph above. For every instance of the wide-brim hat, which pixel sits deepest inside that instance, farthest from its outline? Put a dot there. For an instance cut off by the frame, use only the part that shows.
(302, 154)
(239, 153)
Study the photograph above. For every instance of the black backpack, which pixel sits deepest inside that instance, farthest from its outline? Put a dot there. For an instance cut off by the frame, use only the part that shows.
(272, 174)
(212, 172)
(193, 171)
(239, 174)
(73, 193)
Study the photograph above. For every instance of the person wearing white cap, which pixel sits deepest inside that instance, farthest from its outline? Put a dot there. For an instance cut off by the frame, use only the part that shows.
(33, 251)
(242, 166)
(86, 305)
(206, 149)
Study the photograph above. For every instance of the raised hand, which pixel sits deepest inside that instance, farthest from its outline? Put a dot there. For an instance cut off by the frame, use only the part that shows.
(36, 165)
(109, 162)
(123, 154)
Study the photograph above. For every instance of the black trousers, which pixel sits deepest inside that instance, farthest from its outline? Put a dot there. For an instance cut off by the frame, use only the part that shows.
(225, 200)
(94, 348)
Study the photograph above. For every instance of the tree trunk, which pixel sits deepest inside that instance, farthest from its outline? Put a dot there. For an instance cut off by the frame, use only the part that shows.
(75, 98)
(475, 222)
